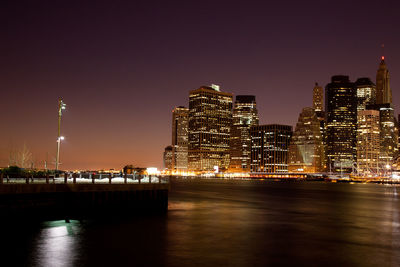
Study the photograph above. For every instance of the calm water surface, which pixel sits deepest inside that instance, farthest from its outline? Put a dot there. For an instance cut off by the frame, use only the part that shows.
(228, 223)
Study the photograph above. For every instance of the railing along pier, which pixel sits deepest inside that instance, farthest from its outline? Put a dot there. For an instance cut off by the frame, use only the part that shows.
(85, 178)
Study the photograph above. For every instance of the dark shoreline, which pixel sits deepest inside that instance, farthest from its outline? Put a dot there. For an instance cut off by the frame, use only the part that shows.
(38, 202)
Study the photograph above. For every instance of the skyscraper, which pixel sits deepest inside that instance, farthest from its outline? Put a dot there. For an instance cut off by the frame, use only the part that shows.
(383, 91)
(341, 108)
(167, 157)
(366, 93)
(210, 119)
(245, 115)
(318, 98)
(318, 101)
(306, 150)
(388, 124)
(269, 148)
(180, 118)
(388, 133)
(368, 142)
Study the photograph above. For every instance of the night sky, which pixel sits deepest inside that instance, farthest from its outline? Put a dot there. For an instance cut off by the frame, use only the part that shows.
(121, 67)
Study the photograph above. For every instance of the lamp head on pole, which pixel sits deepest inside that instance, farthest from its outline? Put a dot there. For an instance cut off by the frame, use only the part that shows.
(61, 106)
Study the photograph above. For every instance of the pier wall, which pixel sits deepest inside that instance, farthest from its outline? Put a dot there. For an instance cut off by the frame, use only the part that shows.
(76, 201)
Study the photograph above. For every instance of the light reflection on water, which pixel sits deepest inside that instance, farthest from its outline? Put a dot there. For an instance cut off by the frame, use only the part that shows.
(252, 223)
(249, 223)
(57, 244)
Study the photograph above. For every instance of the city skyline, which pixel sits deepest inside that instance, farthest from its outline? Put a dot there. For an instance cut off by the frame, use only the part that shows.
(119, 114)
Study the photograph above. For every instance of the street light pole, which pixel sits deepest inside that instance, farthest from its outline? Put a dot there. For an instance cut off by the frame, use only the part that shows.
(61, 106)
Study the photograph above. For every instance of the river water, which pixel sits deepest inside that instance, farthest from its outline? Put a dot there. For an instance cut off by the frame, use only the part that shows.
(228, 223)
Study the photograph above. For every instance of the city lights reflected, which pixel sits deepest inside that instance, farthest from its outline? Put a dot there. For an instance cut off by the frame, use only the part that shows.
(57, 244)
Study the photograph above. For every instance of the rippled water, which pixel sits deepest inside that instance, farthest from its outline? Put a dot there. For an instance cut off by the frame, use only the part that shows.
(229, 223)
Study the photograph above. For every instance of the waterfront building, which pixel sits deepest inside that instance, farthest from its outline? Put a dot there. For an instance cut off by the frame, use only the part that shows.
(318, 98)
(168, 157)
(366, 93)
(210, 119)
(245, 115)
(341, 108)
(180, 118)
(368, 142)
(269, 148)
(389, 134)
(306, 150)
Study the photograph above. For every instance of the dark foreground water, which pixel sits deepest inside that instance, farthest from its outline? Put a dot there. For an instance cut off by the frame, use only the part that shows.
(228, 223)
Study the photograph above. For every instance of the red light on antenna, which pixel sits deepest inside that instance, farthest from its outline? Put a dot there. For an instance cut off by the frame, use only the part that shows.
(383, 57)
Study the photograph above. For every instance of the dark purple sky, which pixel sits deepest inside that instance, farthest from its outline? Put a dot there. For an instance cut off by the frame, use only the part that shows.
(121, 67)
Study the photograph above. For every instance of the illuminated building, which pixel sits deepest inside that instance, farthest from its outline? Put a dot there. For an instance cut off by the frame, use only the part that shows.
(245, 115)
(180, 118)
(269, 148)
(389, 136)
(368, 142)
(383, 91)
(306, 150)
(388, 133)
(318, 98)
(210, 119)
(366, 93)
(168, 157)
(341, 108)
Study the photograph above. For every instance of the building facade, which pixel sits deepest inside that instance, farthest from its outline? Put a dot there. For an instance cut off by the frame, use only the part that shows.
(269, 148)
(368, 143)
(389, 134)
(245, 115)
(341, 123)
(318, 105)
(306, 150)
(366, 93)
(167, 157)
(210, 119)
(318, 98)
(383, 90)
(180, 119)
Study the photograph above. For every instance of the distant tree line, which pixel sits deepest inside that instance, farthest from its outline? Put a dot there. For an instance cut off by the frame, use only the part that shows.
(17, 172)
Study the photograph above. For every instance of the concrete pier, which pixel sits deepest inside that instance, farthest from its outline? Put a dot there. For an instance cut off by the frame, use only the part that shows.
(76, 201)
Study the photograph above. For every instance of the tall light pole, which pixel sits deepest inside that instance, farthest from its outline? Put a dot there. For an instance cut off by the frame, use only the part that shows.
(61, 106)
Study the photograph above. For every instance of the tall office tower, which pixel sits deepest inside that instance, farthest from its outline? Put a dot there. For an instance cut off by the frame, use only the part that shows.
(341, 108)
(318, 98)
(368, 142)
(180, 118)
(210, 119)
(383, 91)
(168, 157)
(269, 148)
(366, 93)
(245, 115)
(389, 134)
(306, 150)
(321, 115)
(388, 124)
